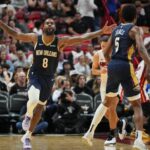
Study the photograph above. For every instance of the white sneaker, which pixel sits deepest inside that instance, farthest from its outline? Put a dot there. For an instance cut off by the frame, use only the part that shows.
(26, 142)
(111, 140)
(88, 137)
(26, 123)
(139, 145)
(122, 129)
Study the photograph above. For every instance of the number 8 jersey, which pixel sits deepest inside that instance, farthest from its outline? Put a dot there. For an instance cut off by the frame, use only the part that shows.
(124, 46)
(45, 57)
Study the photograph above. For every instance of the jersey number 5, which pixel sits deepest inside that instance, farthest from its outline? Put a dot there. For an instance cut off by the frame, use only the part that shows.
(117, 44)
(45, 62)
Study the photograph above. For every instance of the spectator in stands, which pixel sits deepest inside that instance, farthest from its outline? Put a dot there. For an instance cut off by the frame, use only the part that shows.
(3, 60)
(141, 15)
(37, 27)
(89, 54)
(81, 86)
(64, 84)
(20, 86)
(67, 118)
(96, 85)
(60, 62)
(61, 25)
(6, 74)
(19, 4)
(58, 88)
(65, 70)
(21, 60)
(54, 8)
(14, 77)
(12, 52)
(3, 86)
(31, 4)
(113, 7)
(68, 8)
(12, 24)
(78, 26)
(40, 128)
(83, 66)
(73, 77)
(98, 14)
(86, 9)
(74, 55)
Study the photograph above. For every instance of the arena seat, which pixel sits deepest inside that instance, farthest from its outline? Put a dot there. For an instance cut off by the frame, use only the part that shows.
(85, 101)
(4, 99)
(16, 103)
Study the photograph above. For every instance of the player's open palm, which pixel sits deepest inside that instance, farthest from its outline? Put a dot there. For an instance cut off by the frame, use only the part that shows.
(108, 29)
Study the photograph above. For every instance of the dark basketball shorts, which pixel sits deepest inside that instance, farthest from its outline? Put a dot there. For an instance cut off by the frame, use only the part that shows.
(122, 72)
(41, 83)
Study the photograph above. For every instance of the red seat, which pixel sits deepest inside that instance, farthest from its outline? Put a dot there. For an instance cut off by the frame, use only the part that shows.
(34, 15)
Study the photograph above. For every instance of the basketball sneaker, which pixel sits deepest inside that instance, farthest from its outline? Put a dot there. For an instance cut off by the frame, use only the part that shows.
(121, 125)
(111, 140)
(26, 142)
(139, 145)
(26, 123)
(88, 137)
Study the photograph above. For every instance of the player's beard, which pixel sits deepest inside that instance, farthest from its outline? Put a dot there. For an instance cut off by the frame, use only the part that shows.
(49, 32)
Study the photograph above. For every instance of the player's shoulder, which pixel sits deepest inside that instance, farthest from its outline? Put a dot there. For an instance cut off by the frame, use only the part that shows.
(135, 29)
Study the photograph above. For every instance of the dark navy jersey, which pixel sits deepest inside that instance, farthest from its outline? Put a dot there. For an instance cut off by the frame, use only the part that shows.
(45, 57)
(123, 45)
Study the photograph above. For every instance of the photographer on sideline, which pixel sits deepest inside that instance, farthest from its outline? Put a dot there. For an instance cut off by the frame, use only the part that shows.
(67, 119)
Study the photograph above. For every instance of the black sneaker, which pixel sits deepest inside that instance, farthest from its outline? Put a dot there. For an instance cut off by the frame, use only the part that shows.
(111, 140)
(122, 128)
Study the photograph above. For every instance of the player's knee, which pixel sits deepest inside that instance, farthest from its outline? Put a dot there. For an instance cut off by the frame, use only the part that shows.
(33, 94)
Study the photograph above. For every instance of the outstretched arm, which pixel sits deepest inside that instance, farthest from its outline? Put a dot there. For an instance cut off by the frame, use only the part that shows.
(29, 37)
(88, 36)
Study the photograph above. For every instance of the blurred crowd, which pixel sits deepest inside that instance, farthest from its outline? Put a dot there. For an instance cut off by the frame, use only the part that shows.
(73, 77)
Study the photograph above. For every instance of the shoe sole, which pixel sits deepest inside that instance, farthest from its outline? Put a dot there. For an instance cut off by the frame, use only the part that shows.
(87, 142)
(109, 144)
(27, 148)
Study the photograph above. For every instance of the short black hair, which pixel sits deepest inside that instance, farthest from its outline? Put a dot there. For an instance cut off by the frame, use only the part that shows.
(128, 12)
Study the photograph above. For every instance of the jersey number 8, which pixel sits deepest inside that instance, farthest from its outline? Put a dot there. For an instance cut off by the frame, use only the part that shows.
(45, 62)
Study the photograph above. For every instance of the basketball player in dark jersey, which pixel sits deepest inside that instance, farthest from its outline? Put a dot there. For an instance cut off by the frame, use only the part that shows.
(45, 60)
(121, 47)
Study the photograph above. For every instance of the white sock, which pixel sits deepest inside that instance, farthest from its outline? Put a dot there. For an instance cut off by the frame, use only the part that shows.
(28, 134)
(139, 135)
(99, 114)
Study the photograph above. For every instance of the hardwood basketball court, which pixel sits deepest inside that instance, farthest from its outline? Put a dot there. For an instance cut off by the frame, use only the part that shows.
(58, 142)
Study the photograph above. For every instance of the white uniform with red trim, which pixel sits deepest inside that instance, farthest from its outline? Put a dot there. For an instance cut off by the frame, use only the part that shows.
(140, 73)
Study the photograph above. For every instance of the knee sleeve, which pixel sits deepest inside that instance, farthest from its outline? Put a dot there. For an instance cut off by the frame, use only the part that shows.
(33, 94)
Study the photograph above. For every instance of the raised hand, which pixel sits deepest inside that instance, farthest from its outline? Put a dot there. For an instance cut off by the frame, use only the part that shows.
(108, 29)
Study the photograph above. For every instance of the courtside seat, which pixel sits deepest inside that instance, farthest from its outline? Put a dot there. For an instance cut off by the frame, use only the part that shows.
(17, 101)
(4, 110)
(86, 102)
